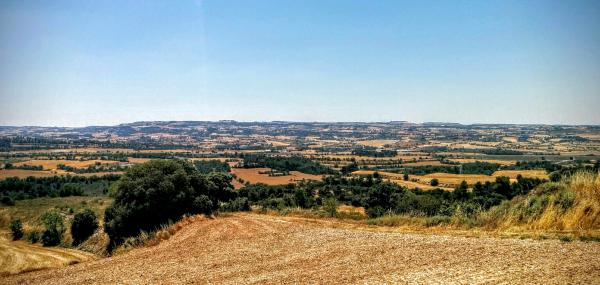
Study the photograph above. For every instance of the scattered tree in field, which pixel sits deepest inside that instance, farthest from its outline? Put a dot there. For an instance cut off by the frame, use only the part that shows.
(54, 228)
(405, 177)
(435, 182)
(330, 206)
(83, 226)
(16, 229)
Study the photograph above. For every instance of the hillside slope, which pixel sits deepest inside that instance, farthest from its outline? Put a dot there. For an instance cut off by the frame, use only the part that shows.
(250, 248)
(21, 256)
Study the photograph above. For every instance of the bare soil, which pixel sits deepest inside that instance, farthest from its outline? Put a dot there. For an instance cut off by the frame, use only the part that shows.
(251, 248)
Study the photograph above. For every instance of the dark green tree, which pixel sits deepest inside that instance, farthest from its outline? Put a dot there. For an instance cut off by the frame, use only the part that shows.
(84, 224)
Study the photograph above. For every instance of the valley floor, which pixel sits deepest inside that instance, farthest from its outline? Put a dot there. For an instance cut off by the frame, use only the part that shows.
(252, 248)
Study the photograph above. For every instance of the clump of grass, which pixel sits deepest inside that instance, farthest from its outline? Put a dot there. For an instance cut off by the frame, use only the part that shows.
(164, 232)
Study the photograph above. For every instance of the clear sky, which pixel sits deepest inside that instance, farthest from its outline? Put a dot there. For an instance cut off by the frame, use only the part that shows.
(77, 63)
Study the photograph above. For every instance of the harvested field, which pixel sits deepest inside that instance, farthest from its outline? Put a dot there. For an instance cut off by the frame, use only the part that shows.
(253, 175)
(250, 248)
(453, 180)
(497, 161)
(512, 174)
(20, 256)
(20, 173)
(423, 163)
(376, 143)
(52, 164)
(449, 181)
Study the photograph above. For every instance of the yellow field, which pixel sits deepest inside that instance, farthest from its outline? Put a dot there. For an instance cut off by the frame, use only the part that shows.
(20, 173)
(423, 163)
(376, 143)
(512, 174)
(252, 175)
(50, 164)
(5, 173)
(449, 181)
(136, 160)
(471, 160)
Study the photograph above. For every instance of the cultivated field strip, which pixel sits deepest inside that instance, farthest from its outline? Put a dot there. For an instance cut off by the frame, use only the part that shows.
(21, 256)
(250, 249)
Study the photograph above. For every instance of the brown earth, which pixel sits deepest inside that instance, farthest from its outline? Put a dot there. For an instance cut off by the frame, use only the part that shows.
(250, 248)
(253, 175)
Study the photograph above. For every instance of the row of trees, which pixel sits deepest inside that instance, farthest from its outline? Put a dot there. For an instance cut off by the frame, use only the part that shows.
(380, 197)
(292, 163)
(14, 188)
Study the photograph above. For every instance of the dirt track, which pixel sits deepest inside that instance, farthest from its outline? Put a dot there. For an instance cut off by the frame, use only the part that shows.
(248, 248)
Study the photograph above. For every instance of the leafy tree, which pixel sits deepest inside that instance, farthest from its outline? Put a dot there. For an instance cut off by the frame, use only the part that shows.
(83, 226)
(16, 228)
(435, 182)
(301, 198)
(405, 176)
(460, 193)
(54, 228)
(159, 191)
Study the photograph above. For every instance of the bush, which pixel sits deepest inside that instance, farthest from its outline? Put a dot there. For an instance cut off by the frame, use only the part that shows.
(33, 236)
(156, 192)
(54, 229)
(435, 182)
(7, 201)
(83, 226)
(16, 229)
(330, 206)
(203, 204)
(237, 205)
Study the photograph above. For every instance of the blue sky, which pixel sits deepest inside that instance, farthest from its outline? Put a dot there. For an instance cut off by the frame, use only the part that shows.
(77, 63)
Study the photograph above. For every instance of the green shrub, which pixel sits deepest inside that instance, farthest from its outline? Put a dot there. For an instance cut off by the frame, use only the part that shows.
(330, 206)
(33, 236)
(16, 229)
(53, 229)
(237, 205)
(434, 182)
(7, 201)
(83, 226)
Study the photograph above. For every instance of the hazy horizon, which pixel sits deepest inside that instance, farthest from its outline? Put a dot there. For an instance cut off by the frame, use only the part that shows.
(75, 64)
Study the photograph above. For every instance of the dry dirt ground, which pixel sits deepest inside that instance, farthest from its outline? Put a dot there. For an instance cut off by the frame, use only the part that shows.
(251, 248)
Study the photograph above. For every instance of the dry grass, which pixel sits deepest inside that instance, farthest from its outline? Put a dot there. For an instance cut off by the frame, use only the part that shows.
(571, 206)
